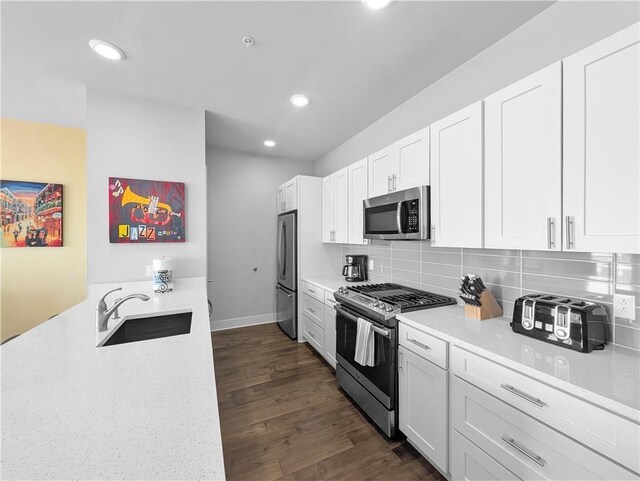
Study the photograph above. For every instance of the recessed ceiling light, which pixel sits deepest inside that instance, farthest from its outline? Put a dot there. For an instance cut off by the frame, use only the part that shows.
(376, 4)
(248, 41)
(106, 49)
(300, 100)
(269, 143)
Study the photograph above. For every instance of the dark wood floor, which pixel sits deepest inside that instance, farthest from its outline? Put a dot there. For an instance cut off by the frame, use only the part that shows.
(283, 416)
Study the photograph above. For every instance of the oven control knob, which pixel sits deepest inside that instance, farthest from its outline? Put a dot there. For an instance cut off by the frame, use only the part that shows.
(375, 303)
(389, 308)
(382, 305)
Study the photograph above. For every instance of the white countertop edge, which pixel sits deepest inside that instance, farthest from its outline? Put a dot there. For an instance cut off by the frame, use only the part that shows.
(597, 399)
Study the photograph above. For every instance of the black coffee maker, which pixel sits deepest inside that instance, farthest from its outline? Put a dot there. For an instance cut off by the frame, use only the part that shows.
(355, 270)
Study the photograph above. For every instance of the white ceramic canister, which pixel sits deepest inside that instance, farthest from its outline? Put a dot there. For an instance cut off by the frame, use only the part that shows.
(162, 275)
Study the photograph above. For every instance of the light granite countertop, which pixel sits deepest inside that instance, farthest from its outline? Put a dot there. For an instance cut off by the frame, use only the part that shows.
(143, 410)
(609, 378)
(331, 282)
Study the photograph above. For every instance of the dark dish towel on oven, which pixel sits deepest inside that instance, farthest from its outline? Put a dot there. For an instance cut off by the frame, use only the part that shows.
(365, 344)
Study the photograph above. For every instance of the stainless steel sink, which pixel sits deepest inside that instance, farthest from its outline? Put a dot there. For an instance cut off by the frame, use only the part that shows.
(135, 328)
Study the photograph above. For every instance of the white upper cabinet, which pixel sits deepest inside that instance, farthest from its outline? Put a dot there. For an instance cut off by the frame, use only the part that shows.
(523, 162)
(358, 192)
(402, 165)
(456, 179)
(412, 155)
(291, 194)
(280, 198)
(328, 207)
(601, 177)
(342, 207)
(287, 196)
(382, 167)
(335, 207)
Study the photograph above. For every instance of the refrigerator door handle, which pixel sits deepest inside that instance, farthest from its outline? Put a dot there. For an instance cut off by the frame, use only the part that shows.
(279, 249)
(280, 288)
(284, 235)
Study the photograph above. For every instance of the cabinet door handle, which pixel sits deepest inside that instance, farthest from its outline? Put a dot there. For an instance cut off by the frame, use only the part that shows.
(389, 184)
(569, 229)
(394, 182)
(433, 234)
(551, 235)
(531, 455)
(400, 360)
(419, 344)
(523, 395)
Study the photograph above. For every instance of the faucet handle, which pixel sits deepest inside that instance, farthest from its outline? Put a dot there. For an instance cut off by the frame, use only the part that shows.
(103, 305)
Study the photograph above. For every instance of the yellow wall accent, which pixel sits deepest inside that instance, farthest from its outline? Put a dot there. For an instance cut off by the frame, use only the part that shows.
(38, 283)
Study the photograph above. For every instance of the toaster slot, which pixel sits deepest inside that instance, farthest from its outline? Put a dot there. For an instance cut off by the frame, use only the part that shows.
(528, 313)
(561, 322)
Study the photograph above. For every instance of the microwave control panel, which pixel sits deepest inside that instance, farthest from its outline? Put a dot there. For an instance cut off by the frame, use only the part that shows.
(413, 216)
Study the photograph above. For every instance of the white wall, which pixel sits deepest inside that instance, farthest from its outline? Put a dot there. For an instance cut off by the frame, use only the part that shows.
(561, 30)
(143, 139)
(242, 232)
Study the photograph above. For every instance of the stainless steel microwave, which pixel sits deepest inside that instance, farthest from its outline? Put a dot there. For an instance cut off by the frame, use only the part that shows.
(402, 215)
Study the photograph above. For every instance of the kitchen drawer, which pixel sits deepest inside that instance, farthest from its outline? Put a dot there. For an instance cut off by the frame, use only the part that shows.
(523, 445)
(615, 437)
(313, 290)
(314, 334)
(314, 309)
(423, 344)
(470, 463)
(329, 300)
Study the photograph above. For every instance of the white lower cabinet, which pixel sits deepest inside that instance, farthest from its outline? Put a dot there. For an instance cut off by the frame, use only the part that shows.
(471, 463)
(330, 335)
(319, 320)
(526, 447)
(482, 420)
(313, 333)
(422, 393)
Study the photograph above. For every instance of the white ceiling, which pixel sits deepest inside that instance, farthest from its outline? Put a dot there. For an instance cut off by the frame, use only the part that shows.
(355, 64)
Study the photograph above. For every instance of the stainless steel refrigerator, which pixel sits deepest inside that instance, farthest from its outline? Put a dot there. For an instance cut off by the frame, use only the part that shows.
(286, 287)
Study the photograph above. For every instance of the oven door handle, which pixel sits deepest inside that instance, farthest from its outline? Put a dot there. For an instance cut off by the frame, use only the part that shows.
(351, 317)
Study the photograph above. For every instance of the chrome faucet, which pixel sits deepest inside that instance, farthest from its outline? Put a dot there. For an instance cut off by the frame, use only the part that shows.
(103, 313)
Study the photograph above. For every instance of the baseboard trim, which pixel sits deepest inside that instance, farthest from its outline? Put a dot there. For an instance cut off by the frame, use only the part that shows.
(236, 322)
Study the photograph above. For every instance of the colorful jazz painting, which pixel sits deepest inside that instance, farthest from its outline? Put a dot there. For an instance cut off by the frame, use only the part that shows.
(145, 211)
(31, 214)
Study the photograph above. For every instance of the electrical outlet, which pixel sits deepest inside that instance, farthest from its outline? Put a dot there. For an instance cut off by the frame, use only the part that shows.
(624, 306)
(150, 271)
(370, 264)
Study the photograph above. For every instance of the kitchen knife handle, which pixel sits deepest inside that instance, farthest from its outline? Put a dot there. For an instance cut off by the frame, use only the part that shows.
(551, 235)
(569, 229)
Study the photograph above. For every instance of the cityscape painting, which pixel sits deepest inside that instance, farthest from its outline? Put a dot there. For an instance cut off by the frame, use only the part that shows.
(31, 214)
(145, 211)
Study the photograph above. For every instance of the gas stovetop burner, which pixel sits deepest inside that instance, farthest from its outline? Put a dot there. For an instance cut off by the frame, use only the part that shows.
(388, 299)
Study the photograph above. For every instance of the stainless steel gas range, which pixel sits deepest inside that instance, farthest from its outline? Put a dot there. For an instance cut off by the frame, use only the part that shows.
(375, 389)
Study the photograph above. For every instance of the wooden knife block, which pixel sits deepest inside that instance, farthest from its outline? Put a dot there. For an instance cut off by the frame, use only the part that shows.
(487, 310)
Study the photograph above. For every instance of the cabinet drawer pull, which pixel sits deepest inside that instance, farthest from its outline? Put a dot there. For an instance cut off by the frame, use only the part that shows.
(551, 227)
(423, 346)
(311, 290)
(534, 457)
(523, 395)
(311, 310)
(569, 229)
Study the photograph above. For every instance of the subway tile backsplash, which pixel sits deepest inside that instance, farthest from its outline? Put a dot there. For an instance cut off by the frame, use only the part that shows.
(510, 274)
